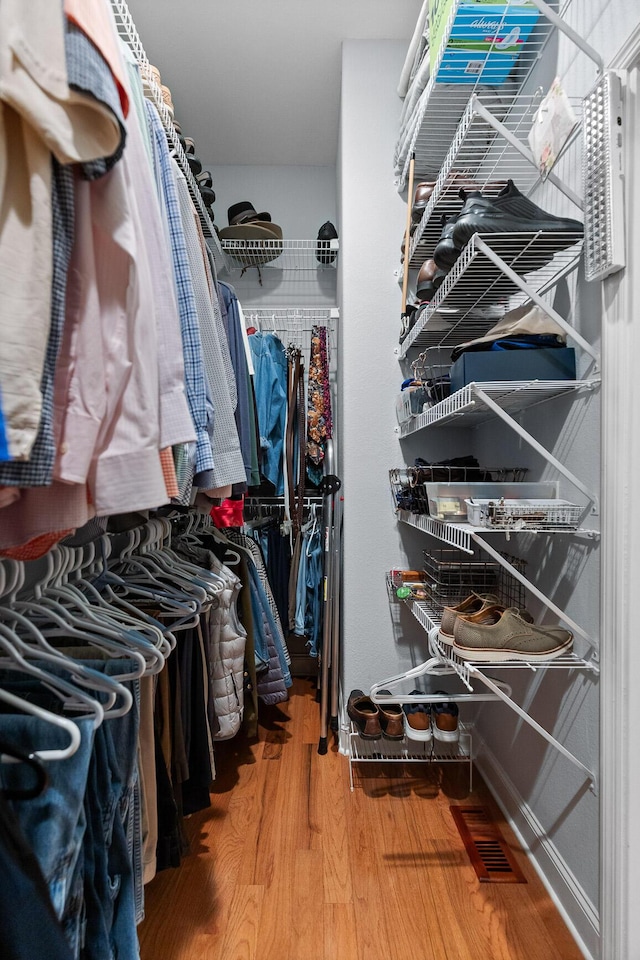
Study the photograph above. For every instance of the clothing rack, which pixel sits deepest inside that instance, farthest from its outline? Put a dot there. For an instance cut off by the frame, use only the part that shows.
(128, 32)
(293, 325)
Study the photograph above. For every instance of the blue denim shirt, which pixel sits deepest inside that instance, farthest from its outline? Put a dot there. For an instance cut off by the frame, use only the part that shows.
(270, 364)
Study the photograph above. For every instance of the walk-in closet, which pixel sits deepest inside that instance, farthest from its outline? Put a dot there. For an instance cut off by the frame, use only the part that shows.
(317, 479)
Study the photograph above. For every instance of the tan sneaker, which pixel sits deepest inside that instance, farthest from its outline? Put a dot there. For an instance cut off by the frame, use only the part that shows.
(474, 603)
(496, 634)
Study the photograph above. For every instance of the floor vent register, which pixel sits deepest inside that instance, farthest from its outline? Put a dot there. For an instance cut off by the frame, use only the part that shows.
(487, 849)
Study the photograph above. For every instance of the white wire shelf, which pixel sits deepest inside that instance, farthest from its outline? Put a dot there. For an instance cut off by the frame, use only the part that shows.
(464, 408)
(408, 751)
(411, 751)
(466, 668)
(429, 616)
(476, 292)
(127, 30)
(294, 255)
(443, 104)
(294, 326)
(481, 157)
(460, 534)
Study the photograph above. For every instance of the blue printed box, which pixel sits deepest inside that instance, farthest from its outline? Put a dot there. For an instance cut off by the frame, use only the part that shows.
(485, 39)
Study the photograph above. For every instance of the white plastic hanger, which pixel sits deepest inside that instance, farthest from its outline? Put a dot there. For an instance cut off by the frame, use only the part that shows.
(71, 696)
(25, 706)
(434, 667)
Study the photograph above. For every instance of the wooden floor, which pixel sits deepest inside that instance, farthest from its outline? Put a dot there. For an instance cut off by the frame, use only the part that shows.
(288, 864)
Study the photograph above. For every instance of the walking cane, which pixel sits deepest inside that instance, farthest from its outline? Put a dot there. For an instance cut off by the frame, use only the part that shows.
(328, 582)
(407, 236)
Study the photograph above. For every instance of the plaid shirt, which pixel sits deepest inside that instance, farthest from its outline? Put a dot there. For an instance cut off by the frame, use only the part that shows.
(189, 325)
(38, 470)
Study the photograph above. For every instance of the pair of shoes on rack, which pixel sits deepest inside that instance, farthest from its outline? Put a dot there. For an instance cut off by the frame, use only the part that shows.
(474, 603)
(425, 721)
(429, 278)
(421, 197)
(375, 720)
(494, 633)
(205, 185)
(508, 213)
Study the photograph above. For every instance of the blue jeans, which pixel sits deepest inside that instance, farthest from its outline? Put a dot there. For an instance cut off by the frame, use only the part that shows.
(314, 595)
(270, 381)
(53, 823)
(261, 609)
(113, 839)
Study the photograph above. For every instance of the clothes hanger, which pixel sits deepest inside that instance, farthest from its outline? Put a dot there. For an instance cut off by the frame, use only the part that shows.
(82, 675)
(10, 754)
(174, 563)
(69, 609)
(115, 607)
(142, 570)
(26, 706)
(141, 588)
(435, 667)
(75, 620)
(70, 695)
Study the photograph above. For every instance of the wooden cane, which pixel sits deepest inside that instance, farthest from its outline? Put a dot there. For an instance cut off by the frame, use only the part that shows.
(407, 236)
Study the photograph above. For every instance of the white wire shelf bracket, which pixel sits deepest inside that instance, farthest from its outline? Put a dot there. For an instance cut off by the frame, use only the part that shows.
(484, 154)
(410, 751)
(461, 535)
(293, 255)
(478, 401)
(469, 407)
(511, 569)
(128, 31)
(442, 104)
(468, 671)
(495, 273)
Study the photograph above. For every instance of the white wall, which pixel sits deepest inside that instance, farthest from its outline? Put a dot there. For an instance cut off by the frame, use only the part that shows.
(371, 224)
(300, 199)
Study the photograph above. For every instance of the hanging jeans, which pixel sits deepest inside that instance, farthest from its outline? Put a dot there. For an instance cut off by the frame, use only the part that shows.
(314, 585)
(28, 922)
(53, 823)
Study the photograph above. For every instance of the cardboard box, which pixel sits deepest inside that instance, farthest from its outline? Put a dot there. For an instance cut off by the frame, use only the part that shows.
(485, 366)
(485, 40)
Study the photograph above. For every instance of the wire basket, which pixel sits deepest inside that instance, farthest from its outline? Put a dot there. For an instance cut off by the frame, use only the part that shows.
(450, 575)
(408, 484)
(524, 514)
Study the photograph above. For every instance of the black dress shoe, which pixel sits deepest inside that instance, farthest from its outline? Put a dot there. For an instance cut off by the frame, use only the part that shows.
(326, 233)
(512, 212)
(205, 179)
(409, 319)
(447, 252)
(208, 195)
(194, 163)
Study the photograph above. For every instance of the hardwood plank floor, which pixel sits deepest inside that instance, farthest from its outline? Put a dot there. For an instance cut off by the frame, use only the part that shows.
(288, 864)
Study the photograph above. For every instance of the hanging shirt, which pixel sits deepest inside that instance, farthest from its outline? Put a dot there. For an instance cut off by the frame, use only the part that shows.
(40, 113)
(187, 309)
(228, 466)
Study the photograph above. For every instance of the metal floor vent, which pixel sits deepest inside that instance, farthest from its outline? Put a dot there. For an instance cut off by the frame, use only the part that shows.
(487, 849)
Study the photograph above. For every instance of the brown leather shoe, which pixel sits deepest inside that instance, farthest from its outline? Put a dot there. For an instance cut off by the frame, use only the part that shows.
(421, 197)
(391, 719)
(365, 714)
(425, 288)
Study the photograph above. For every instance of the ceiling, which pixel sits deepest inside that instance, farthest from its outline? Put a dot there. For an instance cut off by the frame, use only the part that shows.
(258, 81)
